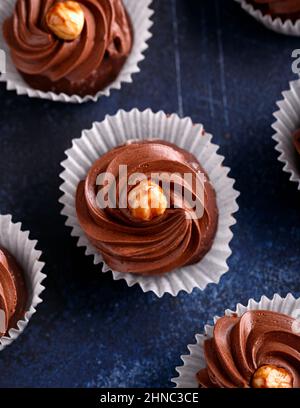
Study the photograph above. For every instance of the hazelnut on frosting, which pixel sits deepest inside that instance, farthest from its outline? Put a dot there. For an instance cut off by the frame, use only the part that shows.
(258, 350)
(66, 20)
(149, 236)
(147, 201)
(270, 376)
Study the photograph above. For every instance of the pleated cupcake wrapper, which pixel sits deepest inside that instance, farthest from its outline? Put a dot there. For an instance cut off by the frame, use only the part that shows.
(195, 360)
(288, 120)
(17, 242)
(287, 27)
(140, 14)
(117, 130)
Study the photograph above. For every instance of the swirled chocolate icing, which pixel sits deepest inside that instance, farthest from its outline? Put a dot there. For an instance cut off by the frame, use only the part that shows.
(241, 345)
(296, 140)
(82, 66)
(286, 9)
(153, 247)
(13, 292)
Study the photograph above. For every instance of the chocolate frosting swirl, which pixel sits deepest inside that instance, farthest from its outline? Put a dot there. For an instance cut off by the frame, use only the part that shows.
(13, 292)
(241, 345)
(153, 247)
(279, 8)
(84, 65)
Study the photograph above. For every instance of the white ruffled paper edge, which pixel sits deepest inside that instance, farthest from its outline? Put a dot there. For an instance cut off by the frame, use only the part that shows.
(287, 27)
(140, 15)
(195, 360)
(17, 242)
(288, 120)
(117, 130)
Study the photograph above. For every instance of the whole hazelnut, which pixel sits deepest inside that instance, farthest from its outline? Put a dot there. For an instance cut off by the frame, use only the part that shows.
(270, 376)
(147, 201)
(66, 20)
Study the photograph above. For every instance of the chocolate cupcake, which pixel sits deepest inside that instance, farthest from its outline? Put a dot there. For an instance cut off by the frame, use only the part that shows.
(284, 9)
(72, 51)
(72, 47)
(13, 292)
(20, 280)
(282, 16)
(257, 350)
(151, 234)
(287, 134)
(255, 346)
(150, 225)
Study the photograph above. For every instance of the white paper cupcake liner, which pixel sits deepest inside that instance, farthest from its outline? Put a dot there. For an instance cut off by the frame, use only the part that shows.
(288, 120)
(140, 15)
(116, 130)
(17, 242)
(287, 27)
(195, 360)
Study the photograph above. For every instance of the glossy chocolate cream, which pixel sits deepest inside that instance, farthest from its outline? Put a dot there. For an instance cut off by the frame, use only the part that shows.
(83, 66)
(13, 292)
(171, 240)
(286, 9)
(296, 140)
(241, 345)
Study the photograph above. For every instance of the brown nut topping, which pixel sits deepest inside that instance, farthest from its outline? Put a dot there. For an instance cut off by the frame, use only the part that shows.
(270, 376)
(147, 201)
(66, 20)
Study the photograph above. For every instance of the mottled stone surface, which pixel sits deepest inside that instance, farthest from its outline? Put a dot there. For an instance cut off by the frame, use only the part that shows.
(217, 65)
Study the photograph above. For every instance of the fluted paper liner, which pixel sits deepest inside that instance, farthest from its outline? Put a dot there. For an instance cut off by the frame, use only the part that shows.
(287, 27)
(140, 14)
(17, 242)
(288, 120)
(195, 360)
(117, 130)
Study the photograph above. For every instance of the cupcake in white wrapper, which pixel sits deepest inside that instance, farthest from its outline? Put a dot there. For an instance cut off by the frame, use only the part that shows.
(139, 13)
(119, 129)
(288, 121)
(22, 249)
(195, 360)
(286, 26)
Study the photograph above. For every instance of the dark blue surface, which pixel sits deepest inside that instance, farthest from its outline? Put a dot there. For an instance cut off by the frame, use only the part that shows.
(92, 331)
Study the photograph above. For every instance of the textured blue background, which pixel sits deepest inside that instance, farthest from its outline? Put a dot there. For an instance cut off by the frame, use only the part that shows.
(209, 60)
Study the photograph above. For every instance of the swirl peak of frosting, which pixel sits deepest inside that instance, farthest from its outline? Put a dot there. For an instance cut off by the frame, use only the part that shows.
(168, 241)
(241, 345)
(13, 292)
(84, 65)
